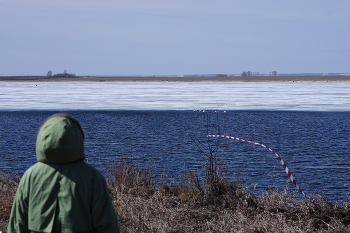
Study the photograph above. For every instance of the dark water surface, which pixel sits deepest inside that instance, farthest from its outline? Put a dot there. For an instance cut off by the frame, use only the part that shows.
(314, 145)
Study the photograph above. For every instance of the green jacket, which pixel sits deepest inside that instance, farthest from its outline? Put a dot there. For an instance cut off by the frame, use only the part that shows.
(62, 193)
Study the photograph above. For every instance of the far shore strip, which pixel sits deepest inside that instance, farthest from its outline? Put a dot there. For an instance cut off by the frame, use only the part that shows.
(177, 79)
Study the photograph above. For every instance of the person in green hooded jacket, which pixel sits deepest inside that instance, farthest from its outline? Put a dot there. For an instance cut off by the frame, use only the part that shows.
(62, 193)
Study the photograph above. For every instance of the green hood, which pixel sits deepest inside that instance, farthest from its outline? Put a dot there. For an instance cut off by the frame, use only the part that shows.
(59, 140)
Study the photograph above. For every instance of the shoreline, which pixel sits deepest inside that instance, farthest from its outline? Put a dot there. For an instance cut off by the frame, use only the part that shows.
(177, 79)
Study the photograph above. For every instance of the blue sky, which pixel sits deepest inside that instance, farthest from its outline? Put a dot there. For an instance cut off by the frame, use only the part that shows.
(163, 37)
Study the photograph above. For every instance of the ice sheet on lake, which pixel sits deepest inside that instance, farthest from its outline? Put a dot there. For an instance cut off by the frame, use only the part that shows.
(296, 96)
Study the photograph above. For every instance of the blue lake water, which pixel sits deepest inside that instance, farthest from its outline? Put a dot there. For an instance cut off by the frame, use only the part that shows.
(306, 123)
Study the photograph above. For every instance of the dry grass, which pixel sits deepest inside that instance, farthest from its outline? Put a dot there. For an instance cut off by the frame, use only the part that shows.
(8, 187)
(227, 207)
(146, 203)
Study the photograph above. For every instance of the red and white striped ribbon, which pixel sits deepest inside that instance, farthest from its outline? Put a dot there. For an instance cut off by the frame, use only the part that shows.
(280, 159)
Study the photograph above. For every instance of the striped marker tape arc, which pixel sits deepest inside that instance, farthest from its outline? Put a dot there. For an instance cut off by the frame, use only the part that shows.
(279, 158)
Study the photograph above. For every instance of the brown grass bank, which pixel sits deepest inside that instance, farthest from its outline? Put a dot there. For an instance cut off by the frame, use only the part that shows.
(175, 79)
(146, 203)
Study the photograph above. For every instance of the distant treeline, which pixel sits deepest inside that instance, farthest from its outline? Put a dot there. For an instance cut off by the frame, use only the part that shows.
(61, 75)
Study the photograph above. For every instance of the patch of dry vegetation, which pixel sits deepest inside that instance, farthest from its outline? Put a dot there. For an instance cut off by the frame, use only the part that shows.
(8, 187)
(147, 203)
(223, 207)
